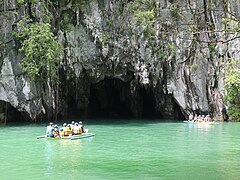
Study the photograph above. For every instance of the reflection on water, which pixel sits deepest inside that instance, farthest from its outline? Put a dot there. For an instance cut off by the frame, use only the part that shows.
(200, 127)
(63, 154)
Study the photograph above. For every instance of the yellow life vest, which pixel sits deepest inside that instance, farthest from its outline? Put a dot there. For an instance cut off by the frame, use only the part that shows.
(64, 131)
(68, 131)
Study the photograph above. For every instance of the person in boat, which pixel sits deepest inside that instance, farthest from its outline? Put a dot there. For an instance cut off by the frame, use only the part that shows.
(208, 118)
(76, 129)
(205, 119)
(69, 130)
(190, 117)
(63, 130)
(195, 118)
(72, 125)
(83, 129)
(50, 130)
(56, 132)
(199, 118)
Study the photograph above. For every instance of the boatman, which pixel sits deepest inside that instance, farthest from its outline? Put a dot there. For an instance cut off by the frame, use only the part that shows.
(83, 129)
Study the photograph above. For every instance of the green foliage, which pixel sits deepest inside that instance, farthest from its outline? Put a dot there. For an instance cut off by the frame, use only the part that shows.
(212, 49)
(175, 12)
(106, 37)
(21, 2)
(66, 22)
(144, 12)
(145, 18)
(161, 54)
(232, 83)
(42, 52)
(147, 14)
(234, 112)
(172, 47)
(75, 4)
(5, 14)
(144, 15)
(81, 4)
(194, 67)
(231, 24)
(232, 79)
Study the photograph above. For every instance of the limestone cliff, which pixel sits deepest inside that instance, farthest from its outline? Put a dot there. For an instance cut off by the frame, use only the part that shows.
(107, 58)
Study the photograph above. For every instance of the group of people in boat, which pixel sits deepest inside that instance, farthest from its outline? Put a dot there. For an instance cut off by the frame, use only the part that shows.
(75, 128)
(199, 118)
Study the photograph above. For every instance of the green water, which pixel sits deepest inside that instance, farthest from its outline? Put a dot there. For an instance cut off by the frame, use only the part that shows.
(123, 150)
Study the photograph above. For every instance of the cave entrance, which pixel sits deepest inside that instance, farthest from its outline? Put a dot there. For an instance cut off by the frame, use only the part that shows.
(9, 114)
(148, 105)
(110, 98)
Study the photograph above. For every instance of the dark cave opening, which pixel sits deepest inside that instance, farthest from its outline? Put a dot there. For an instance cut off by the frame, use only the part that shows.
(72, 111)
(112, 98)
(9, 114)
(148, 106)
(109, 99)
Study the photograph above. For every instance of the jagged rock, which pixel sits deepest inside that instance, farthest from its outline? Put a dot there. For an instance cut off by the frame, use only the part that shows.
(101, 45)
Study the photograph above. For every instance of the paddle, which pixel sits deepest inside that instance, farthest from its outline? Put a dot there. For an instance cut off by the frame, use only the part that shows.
(39, 137)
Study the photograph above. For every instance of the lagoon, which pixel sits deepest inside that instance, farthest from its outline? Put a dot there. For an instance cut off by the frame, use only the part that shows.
(123, 149)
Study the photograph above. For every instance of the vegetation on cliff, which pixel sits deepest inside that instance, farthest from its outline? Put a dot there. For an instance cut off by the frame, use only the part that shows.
(41, 50)
(166, 43)
(232, 75)
(232, 81)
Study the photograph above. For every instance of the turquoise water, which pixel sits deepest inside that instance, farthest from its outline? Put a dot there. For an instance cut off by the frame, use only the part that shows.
(142, 150)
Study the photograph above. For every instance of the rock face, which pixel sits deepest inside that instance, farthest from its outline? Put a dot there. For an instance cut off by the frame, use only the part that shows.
(110, 68)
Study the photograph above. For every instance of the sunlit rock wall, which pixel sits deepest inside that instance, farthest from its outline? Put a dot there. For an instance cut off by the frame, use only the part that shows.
(14, 87)
(102, 41)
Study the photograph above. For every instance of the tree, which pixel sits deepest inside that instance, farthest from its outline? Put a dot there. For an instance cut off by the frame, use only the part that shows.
(41, 51)
(232, 84)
